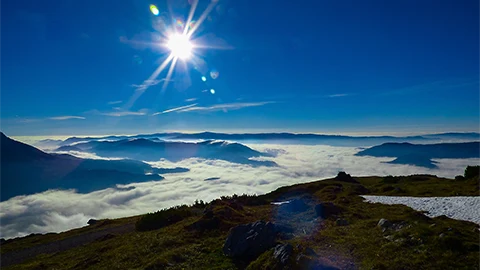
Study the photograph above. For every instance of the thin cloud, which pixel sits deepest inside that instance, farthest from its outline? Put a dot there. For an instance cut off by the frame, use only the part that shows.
(225, 106)
(176, 109)
(146, 84)
(125, 113)
(66, 117)
(190, 99)
(338, 95)
(114, 102)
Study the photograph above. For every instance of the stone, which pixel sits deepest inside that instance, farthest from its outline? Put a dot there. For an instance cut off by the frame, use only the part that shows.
(282, 253)
(249, 240)
(384, 223)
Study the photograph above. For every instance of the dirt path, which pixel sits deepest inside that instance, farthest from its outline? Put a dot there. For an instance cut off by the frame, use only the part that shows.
(16, 257)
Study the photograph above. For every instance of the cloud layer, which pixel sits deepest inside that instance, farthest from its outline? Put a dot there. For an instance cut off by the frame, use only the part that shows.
(59, 210)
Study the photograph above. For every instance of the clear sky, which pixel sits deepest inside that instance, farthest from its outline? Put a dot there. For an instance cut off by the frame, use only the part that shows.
(85, 67)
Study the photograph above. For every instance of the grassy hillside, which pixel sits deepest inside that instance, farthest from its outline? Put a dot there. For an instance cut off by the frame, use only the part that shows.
(191, 238)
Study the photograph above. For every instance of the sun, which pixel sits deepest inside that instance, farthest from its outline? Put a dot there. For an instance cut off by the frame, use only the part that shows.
(180, 46)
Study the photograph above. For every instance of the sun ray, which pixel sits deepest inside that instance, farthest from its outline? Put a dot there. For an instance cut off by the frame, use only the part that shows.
(154, 76)
(190, 16)
(202, 17)
(169, 74)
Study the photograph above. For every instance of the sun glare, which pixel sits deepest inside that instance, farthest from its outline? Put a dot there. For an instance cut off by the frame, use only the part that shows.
(180, 46)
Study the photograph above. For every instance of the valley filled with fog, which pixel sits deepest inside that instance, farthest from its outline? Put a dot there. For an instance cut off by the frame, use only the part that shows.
(197, 169)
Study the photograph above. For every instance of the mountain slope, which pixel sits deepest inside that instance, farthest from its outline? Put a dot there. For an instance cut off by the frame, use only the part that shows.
(191, 238)
(27, 170)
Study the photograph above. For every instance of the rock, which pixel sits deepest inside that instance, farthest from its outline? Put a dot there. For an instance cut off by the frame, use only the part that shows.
(384, 223)
(326, 210)
(344, 177)
(249, 240)
(92, 221)
(282, 253)
(442, 235)
(341, 222)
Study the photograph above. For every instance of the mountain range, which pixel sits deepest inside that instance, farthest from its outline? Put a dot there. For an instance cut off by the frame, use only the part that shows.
(26, 170)
(281, 138)
(421, 154)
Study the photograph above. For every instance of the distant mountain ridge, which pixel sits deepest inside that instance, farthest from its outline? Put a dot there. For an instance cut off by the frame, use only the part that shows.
(26, 170)
(154, 150)
(302, 138)
(421, 154)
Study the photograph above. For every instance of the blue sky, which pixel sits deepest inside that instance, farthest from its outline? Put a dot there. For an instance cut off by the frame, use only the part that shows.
(82, 67)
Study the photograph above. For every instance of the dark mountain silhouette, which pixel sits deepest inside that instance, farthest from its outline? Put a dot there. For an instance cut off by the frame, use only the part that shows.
(289, 138)
(421, 154)
(149, 150)
(27, 170)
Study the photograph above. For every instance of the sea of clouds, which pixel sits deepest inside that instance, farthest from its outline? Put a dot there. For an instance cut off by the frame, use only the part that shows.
(60, 210)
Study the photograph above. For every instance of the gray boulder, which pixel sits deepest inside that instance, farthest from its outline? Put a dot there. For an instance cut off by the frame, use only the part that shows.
(384, 224)
(249, 240)
(282, 253)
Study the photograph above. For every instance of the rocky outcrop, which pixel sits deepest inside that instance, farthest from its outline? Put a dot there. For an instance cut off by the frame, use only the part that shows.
(249, 240)
(344, 177)
(282, 253)
(92, 221)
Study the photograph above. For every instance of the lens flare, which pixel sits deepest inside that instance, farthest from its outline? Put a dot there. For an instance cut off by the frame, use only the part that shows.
(204, 78)
(154, 10)
(214, 74)
(212, 91)
(180, 46)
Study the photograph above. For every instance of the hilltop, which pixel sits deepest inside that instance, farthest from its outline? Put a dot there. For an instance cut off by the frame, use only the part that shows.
(319, 225)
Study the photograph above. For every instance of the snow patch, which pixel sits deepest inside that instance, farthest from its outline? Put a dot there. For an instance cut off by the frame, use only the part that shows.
(461, 208)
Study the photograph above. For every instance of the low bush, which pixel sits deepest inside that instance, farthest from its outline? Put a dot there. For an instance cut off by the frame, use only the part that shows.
(162, 218)
(472, 171)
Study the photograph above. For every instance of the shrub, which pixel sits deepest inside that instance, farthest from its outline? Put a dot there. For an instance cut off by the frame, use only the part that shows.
(472, 171)
(162, 218)
(459, 177)
(390, 179)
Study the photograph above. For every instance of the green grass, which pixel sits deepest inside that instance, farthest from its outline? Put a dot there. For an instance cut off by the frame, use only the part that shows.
(175, 245)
